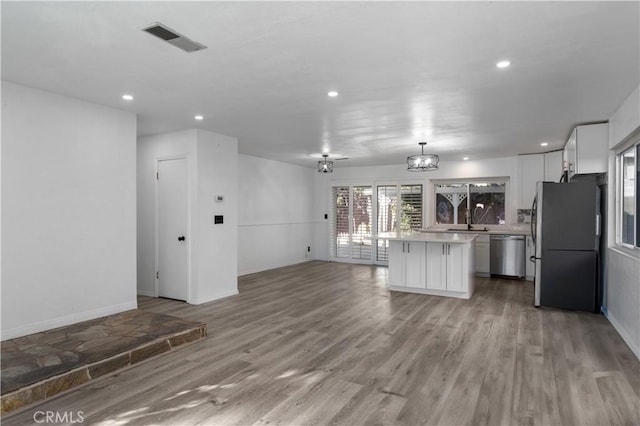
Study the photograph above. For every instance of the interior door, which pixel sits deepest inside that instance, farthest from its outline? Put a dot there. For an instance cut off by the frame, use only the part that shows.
(172, 229)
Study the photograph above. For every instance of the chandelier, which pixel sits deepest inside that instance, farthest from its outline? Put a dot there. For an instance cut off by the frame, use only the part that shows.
(325, 166)
(423, 162)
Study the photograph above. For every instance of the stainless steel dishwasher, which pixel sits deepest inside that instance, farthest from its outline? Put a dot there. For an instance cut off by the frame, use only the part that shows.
(507, 255)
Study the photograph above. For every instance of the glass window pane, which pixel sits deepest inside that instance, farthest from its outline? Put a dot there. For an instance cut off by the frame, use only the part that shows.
(451, 203)
(638, 195)
(487, 203)
(628, 164)
(341, 229)
(361, 236)
(387, 220)
(411, 207)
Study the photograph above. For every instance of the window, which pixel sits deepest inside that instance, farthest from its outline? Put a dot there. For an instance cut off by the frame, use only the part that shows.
(410, 212)
(351, 222)
(340, 228)
(361, 217)
(482, 202)
(630, 202)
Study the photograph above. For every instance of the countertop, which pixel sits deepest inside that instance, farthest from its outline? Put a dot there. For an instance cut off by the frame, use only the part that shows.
(429, 237)
(507, 231)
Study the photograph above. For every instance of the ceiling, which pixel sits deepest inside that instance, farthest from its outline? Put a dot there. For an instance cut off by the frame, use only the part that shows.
(405, 72)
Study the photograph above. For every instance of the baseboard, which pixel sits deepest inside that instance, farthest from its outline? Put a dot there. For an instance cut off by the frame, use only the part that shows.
(215, 297)
(25, 330)
(623, 333)
(146, 293)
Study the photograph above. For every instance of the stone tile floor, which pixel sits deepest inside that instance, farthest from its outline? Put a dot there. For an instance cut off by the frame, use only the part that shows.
(101, 345)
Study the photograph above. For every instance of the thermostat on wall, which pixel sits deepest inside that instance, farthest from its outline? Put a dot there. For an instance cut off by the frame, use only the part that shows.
(219, 198)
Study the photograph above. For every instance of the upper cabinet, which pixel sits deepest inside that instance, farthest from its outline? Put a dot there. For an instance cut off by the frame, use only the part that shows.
(531, 168)
(587, 150)
(534, 168)
(552, 166)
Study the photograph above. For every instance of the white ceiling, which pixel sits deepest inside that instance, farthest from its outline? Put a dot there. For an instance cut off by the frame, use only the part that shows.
(405, 72)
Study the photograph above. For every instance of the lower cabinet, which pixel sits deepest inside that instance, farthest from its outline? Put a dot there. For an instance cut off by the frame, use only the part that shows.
(530, 267)
(407, 264)
(446, 266)
(437, 266)
(440, 268)
(483, 256)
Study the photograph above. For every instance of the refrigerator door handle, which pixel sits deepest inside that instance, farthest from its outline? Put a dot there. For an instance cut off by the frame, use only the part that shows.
(598, 225)
(533, 218)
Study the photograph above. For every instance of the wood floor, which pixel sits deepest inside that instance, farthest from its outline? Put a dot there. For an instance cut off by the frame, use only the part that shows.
(325, 343)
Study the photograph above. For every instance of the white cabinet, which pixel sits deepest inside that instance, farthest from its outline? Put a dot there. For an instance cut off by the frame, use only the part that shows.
(552, 166)
(415, 264)
(530, 267)
(531, 168)
(437, 266)
(587, 150)
(457, 279)
(447, 267)
(430, 264)
(407, 264)
(397, 264)
(483, 256)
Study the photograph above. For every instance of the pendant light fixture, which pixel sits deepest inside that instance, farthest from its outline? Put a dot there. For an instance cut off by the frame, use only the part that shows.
(325, 166)
(423, 162)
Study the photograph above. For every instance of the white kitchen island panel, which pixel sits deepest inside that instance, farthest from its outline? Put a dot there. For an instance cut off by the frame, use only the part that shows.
(440, 264)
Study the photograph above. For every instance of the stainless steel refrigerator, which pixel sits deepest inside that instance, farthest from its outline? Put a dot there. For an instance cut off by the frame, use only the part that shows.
(566, 226)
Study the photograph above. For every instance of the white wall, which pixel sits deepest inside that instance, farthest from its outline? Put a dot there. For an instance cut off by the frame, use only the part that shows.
(217, 245)
(276, 212)
(69, 210)
(212, 162)
(622, 298)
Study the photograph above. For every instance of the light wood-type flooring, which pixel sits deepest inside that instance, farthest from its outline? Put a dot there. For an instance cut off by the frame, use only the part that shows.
(326, 343)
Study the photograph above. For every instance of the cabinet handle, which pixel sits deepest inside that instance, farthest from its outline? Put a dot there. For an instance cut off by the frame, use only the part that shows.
(403, 247)
(448, 248)
(443, 249)
(408, 247)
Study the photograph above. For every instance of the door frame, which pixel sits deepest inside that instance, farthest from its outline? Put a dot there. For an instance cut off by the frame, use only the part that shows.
(156, 220)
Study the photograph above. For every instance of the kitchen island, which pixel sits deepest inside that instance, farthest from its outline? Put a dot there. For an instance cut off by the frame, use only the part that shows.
(440, 264)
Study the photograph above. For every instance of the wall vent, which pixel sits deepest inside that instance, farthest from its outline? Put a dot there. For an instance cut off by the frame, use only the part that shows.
(173, 38)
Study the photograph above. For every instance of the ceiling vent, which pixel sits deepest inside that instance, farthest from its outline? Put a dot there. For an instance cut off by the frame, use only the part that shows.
(176, 39)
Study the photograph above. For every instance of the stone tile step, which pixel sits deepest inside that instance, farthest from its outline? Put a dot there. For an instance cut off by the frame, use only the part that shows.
(41, 365)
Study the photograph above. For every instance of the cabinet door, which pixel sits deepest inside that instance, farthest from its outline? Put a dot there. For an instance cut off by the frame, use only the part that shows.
(531, 171)
(592, 148)
(530, 267)
(397, 263)
(457, 268)
(570, 154)
(415, 265)
(552, 166)
(436, 266)
(483, 257)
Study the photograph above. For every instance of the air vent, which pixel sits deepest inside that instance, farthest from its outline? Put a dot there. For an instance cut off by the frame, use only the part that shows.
(174, 38)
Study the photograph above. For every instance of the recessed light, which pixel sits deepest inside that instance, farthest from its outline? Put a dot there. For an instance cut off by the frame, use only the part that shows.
(465, 158)
(544, 144)
(332, 94)
(199, 117)
(127, 97)
(503, 64)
